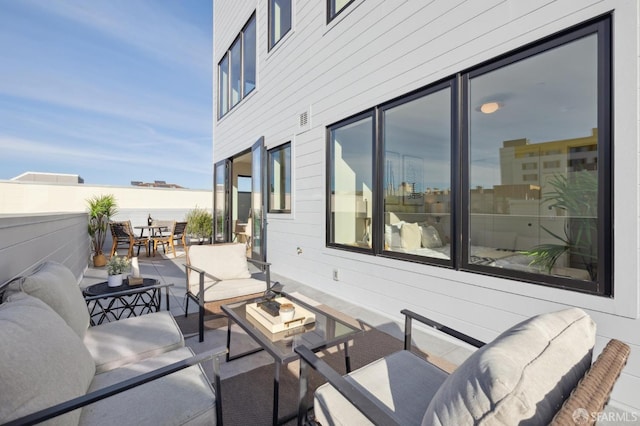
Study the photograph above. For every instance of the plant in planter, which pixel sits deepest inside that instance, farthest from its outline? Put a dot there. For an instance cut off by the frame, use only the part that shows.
(116, 268)
(101, 209)
(199, 224)
(578, 197)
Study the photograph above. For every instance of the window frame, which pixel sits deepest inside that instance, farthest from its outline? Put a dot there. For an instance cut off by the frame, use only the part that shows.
(329, 226)
(460, 163)
(240, 38)
(270, 42)
(270, 171)
(331, 9)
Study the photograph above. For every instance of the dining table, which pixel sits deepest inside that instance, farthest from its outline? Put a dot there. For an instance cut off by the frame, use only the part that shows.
(152, 231)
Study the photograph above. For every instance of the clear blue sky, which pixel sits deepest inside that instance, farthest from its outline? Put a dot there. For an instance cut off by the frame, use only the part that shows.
(111, 90)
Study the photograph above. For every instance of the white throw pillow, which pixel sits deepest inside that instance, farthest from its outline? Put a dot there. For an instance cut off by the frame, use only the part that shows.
(43, 361)
(55, 285)
(411, 236)
(223, 261)
(392, 237)
(522, 377)
(430, 237)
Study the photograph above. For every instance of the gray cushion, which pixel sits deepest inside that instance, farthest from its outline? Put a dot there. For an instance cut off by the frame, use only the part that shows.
(55, 285)
(522, 377)
(185, 397)
(43, 362)
(401, 381)
(117, 343)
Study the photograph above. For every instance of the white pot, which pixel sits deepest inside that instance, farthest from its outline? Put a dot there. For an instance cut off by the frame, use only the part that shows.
(115, 280)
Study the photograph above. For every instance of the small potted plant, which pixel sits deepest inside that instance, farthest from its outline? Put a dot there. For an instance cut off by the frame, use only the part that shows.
(116, 268)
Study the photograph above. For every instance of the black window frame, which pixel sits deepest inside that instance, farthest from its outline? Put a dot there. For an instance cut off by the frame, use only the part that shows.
(460, 184)
(270, 152)
(239, 38)
(331, 9)
(271, 43)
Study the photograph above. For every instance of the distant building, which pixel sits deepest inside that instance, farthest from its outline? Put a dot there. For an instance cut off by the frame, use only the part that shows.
(48, 178)
(155, 184)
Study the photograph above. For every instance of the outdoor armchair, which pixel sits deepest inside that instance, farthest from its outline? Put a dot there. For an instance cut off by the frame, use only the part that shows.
(219, 274)
(537, 372)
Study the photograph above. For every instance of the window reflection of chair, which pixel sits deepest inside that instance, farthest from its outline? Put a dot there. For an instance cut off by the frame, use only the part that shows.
(176, 237)
(240, 232)
(123, 236)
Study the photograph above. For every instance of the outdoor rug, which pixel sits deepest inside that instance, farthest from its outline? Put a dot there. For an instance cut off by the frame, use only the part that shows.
(247, 398)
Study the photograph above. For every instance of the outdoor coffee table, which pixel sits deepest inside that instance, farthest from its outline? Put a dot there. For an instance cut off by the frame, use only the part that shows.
(113, 303)
(325, 332)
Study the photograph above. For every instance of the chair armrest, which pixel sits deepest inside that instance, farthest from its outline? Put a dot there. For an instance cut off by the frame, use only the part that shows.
(81, 401)
(409, 315)
(373, 409)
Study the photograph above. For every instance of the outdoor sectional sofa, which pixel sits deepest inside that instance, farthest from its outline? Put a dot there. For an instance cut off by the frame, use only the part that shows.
(50, 355)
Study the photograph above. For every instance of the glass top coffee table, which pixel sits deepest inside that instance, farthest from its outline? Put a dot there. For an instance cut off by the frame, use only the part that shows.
(326, 331)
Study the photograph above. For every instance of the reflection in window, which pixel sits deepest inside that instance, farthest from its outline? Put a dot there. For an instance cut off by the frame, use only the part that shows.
(280, 179)
(547, 121)
(249, 57)
(223, 91)
(417, 176)
(279, 20)
(336, 6)
(351, 177)
(236, 73)
(237, 69)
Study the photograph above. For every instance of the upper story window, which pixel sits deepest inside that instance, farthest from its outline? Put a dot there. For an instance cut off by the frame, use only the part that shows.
(279, 20)
(237, 69)
(511, 177)
(279, 171)
(334, 7)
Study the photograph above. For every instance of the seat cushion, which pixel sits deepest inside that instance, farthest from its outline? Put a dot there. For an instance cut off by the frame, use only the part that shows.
(55, 284)
(43, 362)
(522, 377)
(181, 398)
(402, 381)
(223, 261)
(128, 340)
(230, 288)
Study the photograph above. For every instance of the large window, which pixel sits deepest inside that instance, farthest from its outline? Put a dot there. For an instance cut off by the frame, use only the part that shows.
(511, 177)
(334, 7)
(417, 174)
(279, 170)
(279, 20)
(350, 179)
(237, 69)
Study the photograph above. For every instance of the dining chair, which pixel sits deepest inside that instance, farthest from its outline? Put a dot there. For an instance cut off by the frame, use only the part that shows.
(176, 237)
(123, 236)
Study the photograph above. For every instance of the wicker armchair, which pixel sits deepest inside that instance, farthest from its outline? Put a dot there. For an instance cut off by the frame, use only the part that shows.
(123, 236)
(176, 237)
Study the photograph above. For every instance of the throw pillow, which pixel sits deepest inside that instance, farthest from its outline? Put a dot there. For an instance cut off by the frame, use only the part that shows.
(43, 361)
(411, 236)
(55, 285)
(430, 237)
(522, 377)
(392, 237)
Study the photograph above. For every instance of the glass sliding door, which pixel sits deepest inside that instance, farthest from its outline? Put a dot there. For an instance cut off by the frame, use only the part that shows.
(221, 192)
(258, 191)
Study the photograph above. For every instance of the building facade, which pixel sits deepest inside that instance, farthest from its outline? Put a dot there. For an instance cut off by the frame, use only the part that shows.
(475, 161)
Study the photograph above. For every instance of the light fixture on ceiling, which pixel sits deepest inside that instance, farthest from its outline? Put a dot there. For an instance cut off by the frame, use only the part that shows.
(490, 107)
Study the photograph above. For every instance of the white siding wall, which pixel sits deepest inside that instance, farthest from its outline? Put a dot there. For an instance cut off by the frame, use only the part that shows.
(377, 50)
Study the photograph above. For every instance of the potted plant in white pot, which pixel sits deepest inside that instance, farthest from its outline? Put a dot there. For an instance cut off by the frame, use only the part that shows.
(101, 209)
(116, 268)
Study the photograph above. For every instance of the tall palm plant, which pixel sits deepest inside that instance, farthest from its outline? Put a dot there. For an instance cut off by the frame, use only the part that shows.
(578, 197)
(101, 209)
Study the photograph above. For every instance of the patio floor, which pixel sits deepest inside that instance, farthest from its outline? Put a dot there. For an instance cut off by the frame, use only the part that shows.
(170, 270)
